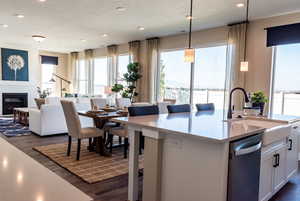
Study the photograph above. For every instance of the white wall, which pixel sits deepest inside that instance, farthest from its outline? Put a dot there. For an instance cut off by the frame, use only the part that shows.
(20, 86)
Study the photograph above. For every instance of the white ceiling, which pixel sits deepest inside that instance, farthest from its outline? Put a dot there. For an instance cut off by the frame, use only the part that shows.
(66, 22)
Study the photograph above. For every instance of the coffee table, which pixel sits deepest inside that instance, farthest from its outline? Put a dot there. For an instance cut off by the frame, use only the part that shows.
(21, 115)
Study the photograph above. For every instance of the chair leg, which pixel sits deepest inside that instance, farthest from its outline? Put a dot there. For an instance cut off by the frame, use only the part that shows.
(90, 145)
(120, 140)
(78, 149)
(69, 146)
(142, 143)
(125, 147)
(111, 139)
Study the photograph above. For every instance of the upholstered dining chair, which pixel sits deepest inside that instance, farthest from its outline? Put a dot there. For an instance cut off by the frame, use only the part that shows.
(98, 102)
(205, 107)
(179, 108)
(74, 127)
(123, 102)
(143, 111)
(121, 132)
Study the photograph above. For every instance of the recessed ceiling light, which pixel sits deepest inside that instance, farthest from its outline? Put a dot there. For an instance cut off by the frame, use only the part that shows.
(38, 38)
(120, 8)
(4, 25)
(240, 5)
(141, 28)
(42, 0)
(82, 40)
(20, 16)
(104, 35)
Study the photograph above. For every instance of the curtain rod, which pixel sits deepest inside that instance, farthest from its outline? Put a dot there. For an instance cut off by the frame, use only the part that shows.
(236, 23)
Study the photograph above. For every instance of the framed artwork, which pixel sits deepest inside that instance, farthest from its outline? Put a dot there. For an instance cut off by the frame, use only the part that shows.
(14, 64)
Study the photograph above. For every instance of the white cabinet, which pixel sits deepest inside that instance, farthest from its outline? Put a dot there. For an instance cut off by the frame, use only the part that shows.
(280, 168)
(273, 170)
(292, 154)
(279, 162)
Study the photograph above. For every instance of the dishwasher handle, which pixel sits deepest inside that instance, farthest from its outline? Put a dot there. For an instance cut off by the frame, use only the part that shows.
(243, 151)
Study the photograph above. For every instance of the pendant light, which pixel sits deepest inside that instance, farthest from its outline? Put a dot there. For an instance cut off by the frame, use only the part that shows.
(244, 67)
(189, 53)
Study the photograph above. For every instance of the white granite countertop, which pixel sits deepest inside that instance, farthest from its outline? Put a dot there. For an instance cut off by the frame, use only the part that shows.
(24, 179)
(202, 125)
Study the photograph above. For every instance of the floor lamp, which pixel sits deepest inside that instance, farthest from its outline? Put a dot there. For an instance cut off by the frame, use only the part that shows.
(61, 82)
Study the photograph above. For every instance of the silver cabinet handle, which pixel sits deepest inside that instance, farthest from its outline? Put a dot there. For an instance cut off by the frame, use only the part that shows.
(243, 151)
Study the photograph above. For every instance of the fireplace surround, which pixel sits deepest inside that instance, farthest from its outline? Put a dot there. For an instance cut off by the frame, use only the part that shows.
(13, 100)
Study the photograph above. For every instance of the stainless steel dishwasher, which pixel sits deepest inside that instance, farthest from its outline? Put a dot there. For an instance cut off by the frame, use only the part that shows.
(244, 169)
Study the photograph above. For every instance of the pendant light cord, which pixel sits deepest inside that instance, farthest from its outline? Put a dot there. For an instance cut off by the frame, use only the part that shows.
(246, 29)
(191, 18)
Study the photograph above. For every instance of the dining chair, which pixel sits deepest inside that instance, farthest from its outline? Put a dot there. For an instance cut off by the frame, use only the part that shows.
(98, 102)
(123, 102)
(143, 111)
(179, 108)
(75, 130)
(205, 107)
(121, 132)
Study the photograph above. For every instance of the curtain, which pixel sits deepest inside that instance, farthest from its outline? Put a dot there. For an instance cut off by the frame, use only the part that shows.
(150, 79)
(74, 72)
(134, 56)
(134, 51)
(112, 60)
(235, 54)
(89, 65)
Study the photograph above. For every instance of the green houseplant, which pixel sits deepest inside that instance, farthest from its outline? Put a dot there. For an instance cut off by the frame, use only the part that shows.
(131, 78)
(258, 99)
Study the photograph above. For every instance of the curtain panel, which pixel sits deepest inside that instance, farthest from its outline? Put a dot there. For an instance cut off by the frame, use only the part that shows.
(235, 54)
(150, 80)
(112, 61)
(134, 56)
(74, 63)
(89, 65)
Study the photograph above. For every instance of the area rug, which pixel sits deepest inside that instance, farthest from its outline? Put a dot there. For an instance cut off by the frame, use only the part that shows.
(91, 167)
(11, 129)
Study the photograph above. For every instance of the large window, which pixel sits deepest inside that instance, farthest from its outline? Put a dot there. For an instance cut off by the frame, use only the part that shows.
(100, 75)
(209, 76)
(47, 71)
(123, 61)
(286, 79)
(82, 78)
(174, 77)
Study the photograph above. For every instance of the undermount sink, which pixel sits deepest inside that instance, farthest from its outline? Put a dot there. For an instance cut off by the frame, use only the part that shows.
(275, 130)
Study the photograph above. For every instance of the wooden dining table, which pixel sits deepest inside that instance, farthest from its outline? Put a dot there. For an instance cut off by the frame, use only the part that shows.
(100, 119)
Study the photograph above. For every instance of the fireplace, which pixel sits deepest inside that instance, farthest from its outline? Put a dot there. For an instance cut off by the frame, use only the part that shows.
(13, 100)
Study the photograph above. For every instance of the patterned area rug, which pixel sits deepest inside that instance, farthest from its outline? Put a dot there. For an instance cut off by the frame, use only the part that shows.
(11, 129)
(91, 167)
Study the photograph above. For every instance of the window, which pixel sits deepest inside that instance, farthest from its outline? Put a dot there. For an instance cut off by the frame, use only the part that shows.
(209, 76)
(123, 61)
(82, 78)
(286, 88)
(100, 75)
(174, 77)
(47, 71)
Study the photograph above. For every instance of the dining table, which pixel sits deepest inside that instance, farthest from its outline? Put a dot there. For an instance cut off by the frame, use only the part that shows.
(100, 120)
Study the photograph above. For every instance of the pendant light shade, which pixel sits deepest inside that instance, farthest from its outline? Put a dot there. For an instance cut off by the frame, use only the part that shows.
(189, 55)
(244, 66)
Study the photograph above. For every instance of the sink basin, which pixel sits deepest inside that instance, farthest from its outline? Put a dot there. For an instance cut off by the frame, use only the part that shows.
(275, 130)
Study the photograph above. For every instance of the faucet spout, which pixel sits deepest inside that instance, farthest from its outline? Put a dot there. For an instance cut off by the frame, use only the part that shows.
(229, 114)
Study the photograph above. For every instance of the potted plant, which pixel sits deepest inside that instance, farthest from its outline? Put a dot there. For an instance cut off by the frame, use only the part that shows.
(131, 78)
(258, 99)
(43, 93)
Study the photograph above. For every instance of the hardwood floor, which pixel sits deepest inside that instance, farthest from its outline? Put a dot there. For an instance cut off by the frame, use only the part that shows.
(114, 189)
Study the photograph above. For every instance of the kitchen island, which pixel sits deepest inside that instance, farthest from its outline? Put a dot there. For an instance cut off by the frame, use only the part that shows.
(186, 155)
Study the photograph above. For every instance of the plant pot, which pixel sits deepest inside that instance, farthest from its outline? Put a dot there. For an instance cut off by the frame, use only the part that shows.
(261, 106)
